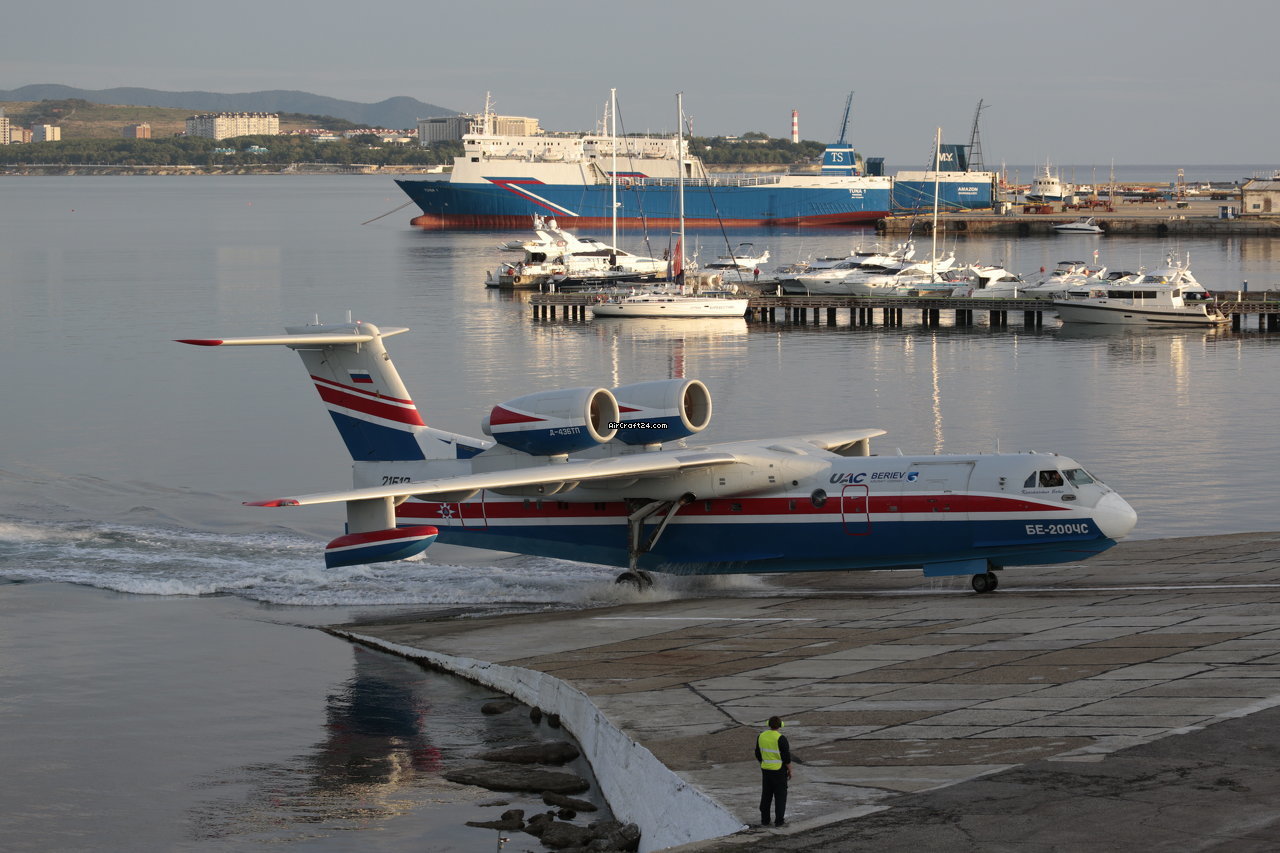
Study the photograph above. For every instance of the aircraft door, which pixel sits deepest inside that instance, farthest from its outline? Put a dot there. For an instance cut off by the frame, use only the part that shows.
(855, 510)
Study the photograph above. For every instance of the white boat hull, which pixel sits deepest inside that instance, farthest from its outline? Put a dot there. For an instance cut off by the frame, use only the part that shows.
(680, 307)
(1117, 314)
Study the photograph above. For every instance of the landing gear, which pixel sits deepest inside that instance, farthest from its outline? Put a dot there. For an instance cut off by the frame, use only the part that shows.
(638, 578)
(986, 582)
(637, 541)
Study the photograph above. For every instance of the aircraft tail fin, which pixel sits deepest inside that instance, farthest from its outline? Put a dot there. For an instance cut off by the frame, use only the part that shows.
(363, 392)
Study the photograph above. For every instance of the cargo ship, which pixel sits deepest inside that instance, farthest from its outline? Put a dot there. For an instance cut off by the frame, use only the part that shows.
(501, 181)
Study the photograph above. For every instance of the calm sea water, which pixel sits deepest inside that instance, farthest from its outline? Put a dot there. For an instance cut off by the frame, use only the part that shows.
(125, 458)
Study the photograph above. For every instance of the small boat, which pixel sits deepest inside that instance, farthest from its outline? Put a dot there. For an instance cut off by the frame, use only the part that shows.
(1047, 187)
(672, 303)
(745, 258)
(1066, 274)
(1080, 226)
(559, 257)
(1145, 305)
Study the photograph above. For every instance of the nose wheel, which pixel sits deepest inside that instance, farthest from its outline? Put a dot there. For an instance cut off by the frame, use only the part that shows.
(985, 582)
(638, 578)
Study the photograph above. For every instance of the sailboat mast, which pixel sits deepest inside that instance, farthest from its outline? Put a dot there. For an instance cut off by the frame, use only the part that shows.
(680, 173)
(937, 161)
(613, 169)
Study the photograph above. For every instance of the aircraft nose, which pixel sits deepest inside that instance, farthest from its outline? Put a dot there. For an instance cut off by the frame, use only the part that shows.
(1114, 517)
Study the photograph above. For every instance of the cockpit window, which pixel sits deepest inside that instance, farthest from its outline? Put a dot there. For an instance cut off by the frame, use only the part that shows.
(1078, 476)
(1049, 479)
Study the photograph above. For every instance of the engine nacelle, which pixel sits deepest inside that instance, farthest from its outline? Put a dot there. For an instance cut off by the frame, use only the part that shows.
(550, 423)
(662, 410)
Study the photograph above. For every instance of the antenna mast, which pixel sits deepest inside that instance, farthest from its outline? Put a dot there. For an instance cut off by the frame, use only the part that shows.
(975, 141)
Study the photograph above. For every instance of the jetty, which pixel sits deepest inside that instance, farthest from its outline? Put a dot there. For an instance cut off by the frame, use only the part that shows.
(1157, 218)
(1258, 310)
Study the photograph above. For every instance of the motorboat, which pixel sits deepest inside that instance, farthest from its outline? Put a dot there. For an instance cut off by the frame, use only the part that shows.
(558, 257)
(1175, 272)
(1047, 187)
(986, 281)
(671, 302)
(1146, 305)
(1066, 274)
(1081, 226)
(858, 277)
(745, 258)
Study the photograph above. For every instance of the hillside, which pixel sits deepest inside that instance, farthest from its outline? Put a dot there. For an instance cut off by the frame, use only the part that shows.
(398, 112)
(85, 120)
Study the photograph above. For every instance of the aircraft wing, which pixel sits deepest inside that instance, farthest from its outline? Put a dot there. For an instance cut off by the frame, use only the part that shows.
(638, 464)
(836, 441)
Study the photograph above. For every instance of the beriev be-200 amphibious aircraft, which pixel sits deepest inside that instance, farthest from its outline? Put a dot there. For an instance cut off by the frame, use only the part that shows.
(614, 476)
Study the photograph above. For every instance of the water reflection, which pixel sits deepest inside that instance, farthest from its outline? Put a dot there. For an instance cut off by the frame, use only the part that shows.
(389, 733)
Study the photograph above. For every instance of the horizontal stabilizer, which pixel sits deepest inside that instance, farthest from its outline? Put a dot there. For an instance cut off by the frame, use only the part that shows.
(300, 340)
(378, 546)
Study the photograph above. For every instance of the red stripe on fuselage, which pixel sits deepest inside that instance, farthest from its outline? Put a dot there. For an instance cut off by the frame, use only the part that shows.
(544, 508)
(373, 395)
(365, 406)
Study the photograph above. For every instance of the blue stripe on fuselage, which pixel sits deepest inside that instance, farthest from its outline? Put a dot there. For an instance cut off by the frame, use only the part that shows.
(369, 442)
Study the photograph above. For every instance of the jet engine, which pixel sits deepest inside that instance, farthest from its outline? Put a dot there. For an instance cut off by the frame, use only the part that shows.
(662, 410)
(551, 423)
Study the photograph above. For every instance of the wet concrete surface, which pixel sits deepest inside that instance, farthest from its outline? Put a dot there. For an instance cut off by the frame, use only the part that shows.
(1122, 703)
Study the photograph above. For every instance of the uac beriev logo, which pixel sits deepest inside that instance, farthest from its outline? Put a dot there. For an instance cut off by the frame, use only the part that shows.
(874, 477)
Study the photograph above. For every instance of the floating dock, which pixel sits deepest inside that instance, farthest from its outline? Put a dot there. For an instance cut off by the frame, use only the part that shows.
(1261, 310)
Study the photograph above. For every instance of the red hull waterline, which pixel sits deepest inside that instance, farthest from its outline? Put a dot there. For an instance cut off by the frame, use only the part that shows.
(436, 222)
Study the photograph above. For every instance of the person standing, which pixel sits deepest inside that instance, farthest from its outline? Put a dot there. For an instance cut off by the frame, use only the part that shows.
(774, 754)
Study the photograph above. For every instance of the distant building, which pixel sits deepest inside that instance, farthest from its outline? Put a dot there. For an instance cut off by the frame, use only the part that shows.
(1260, 197)
(136, 131)
(453, 128)
(226, 125)
(4, 129)
(19, 134)
(46, 133)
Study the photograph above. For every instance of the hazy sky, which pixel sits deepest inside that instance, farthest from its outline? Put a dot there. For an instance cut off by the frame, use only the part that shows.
(1086, 82)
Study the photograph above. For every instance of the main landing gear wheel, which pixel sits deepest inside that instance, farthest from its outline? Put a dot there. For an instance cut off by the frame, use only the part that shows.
(985, 582)
(638, 578)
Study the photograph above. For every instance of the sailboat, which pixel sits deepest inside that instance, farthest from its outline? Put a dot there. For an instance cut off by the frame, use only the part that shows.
(675, 300)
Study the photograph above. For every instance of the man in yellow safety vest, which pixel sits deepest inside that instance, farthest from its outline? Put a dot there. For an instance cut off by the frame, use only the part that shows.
(774, 754)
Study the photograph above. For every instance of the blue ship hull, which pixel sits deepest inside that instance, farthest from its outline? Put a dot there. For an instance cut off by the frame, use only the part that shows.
(510, 202)
(952, 195)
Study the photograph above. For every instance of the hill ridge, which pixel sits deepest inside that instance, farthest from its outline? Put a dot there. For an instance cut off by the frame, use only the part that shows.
(399, 112)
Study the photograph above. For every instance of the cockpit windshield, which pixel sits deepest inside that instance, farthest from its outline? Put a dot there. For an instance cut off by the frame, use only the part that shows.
(1078, 477)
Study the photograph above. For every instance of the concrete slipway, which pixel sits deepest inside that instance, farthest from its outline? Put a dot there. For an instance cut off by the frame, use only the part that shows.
(907, 700)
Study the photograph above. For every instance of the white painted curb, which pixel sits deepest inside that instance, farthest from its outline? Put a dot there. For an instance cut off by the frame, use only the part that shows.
(639, 788)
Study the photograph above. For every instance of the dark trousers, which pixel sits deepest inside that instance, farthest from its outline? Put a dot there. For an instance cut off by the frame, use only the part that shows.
(773, 789)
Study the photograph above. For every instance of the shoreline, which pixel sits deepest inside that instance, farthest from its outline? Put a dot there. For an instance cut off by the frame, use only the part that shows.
(892, 686)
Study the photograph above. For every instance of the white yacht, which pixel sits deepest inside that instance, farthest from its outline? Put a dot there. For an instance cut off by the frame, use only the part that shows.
(1047, 187)
(1066, 274)
(672, 302)
(986, 281)
(1145, 305)
(745, 258)
(559, 257)
(1088, 225)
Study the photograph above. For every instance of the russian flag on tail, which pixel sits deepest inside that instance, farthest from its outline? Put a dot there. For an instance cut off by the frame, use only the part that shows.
(379, 546)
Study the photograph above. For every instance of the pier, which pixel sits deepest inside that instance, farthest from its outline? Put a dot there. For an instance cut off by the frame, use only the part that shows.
(1260, 311)
(1196, 217)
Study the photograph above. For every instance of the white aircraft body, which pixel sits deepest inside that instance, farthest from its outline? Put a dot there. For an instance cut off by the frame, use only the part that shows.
(615, 476)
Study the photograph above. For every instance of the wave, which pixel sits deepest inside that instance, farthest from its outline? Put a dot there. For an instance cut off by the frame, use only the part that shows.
(280, 568)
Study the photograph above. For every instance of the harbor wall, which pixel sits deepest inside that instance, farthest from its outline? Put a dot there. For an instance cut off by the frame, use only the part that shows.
(638, 787)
